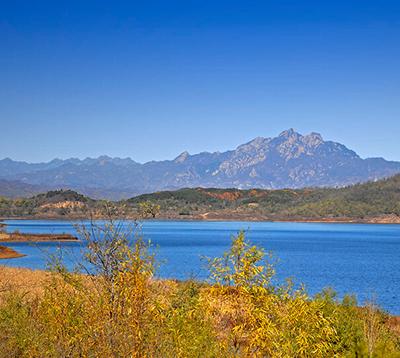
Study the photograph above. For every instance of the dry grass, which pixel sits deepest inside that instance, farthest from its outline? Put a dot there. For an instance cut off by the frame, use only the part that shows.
(23, 280)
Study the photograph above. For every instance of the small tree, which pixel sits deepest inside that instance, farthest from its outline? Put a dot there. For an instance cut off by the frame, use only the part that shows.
(252, 317)
(242, 265)
(147, 209)
(107, 311)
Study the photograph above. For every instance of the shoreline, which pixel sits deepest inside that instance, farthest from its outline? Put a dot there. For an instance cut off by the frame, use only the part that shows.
(10, 238)
(25, 237)
(9, 253)
(381, 220)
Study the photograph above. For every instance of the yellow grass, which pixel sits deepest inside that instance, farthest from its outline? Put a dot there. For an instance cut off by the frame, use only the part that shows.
(24, 280)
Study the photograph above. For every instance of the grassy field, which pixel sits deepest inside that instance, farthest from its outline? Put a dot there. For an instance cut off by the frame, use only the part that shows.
(24, 281)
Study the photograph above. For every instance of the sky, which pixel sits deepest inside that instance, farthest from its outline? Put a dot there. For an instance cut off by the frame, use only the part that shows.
(151, 79)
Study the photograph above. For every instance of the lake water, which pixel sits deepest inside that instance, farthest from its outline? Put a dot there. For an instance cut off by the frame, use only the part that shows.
(351, 258)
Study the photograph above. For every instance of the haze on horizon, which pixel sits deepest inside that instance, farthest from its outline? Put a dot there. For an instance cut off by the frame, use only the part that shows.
(149, 81)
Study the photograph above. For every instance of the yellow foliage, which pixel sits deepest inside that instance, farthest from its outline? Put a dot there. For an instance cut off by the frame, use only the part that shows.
(254, 318)
(118, 310)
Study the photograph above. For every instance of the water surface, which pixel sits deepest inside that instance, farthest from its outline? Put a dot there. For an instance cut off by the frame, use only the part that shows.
(362, 259)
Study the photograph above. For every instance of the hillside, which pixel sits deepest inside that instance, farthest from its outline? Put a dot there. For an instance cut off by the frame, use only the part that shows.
(15, 189)
(362, 201)
(373, 202)
(290, 160)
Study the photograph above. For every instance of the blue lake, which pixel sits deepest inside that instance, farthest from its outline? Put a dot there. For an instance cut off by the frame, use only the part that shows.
(351, 258)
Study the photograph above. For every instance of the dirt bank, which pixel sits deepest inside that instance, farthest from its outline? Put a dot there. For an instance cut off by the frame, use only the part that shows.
(21, 237)
(8, 253)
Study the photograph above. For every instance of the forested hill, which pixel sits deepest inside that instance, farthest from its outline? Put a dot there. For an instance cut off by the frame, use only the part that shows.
(359, 201)
(375, 201)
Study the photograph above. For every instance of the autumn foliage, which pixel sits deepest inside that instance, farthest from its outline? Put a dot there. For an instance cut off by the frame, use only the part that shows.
(117, 309)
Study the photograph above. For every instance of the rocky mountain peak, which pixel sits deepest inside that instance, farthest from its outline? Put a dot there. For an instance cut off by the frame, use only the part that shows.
(291, 160)
(289, 133)
(103, 159)
(292, 144)
(182, 157)
(313, 139)
(255, 144)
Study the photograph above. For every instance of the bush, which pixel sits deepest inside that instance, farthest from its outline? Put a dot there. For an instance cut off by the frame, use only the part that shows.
(117, 309)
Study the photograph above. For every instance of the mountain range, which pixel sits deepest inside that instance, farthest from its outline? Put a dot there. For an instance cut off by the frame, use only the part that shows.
(290, 160)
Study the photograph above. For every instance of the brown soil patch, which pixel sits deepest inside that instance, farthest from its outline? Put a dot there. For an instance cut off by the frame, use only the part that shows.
(19, 237)
(228, 195)
(386, 219)
(8, 253)
(394, 324)
(64, 205)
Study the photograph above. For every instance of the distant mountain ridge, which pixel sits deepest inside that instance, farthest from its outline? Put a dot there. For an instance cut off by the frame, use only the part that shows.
(290, 160)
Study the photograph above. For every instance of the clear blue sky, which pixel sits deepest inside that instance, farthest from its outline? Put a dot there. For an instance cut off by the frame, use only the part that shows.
(150, 79)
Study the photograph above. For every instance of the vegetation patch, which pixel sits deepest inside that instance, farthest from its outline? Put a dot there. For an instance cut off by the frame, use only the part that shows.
(118, 309)
(375, 202)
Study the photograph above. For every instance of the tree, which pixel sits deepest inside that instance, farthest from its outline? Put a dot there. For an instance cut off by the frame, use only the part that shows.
(147, 209)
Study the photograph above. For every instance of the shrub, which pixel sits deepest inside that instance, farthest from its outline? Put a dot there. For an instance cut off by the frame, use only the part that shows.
(118, 309)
